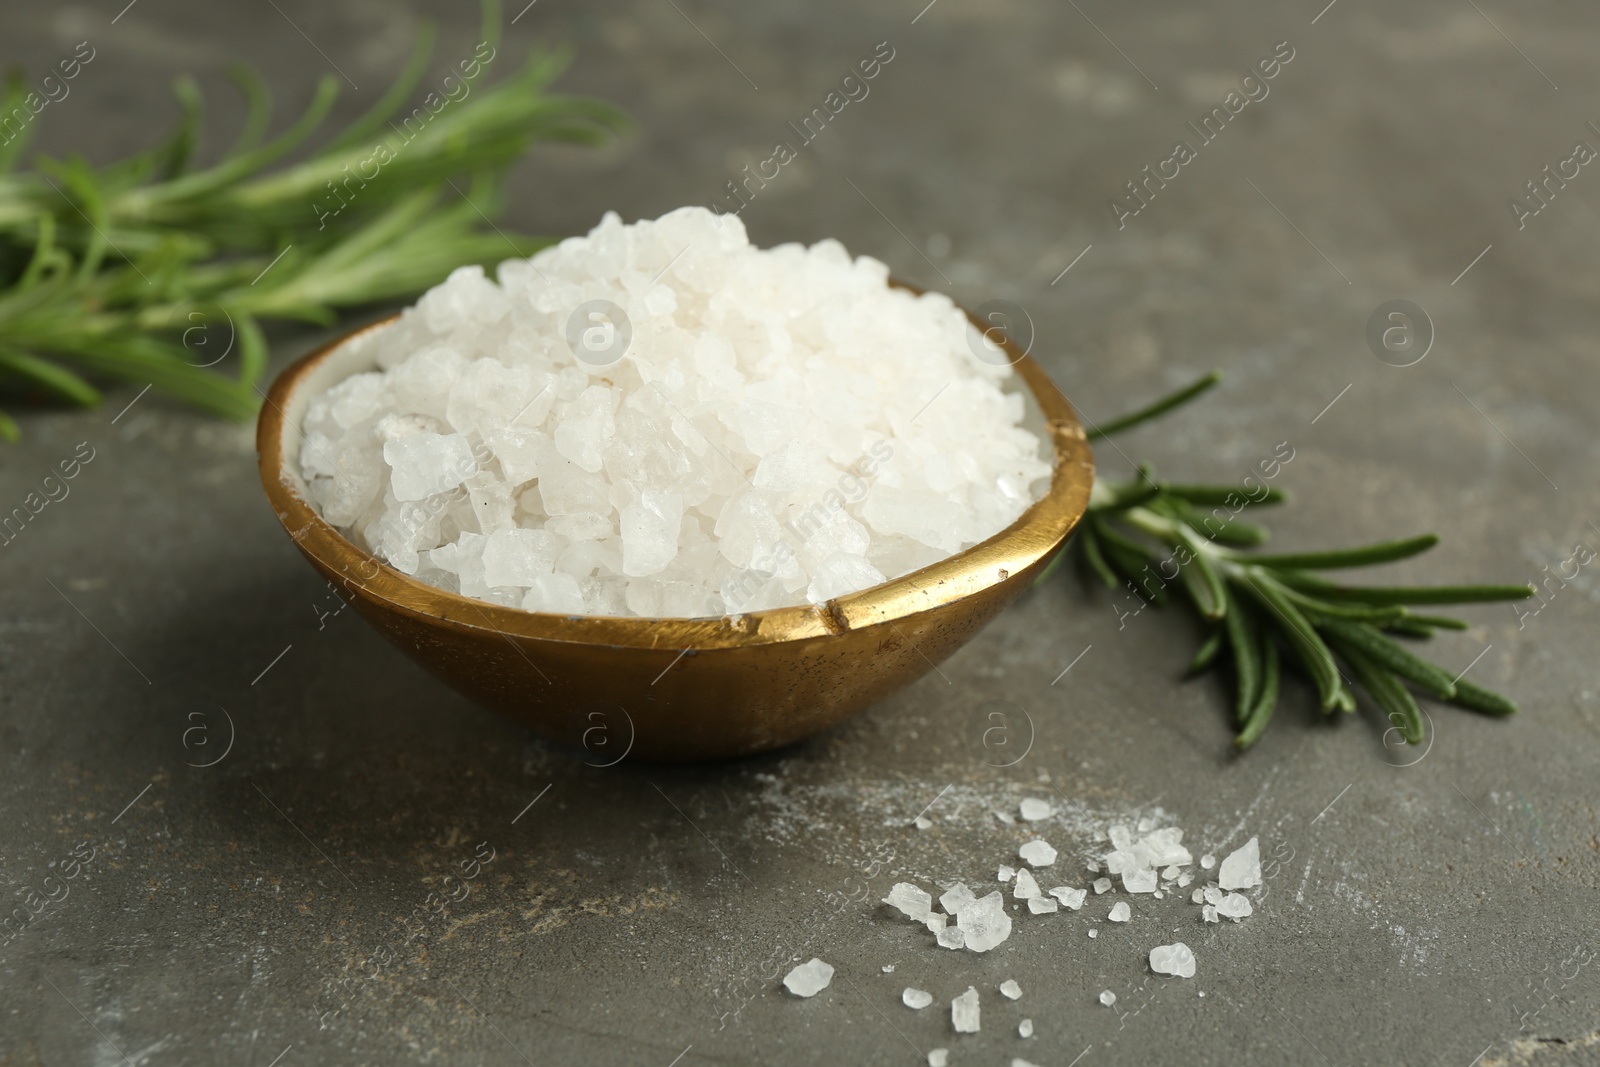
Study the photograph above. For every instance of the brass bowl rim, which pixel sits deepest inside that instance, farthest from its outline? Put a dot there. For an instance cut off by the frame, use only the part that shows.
(1034, 536)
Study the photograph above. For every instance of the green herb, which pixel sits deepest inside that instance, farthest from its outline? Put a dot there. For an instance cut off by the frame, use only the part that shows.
(1148, 537)
(149, 272)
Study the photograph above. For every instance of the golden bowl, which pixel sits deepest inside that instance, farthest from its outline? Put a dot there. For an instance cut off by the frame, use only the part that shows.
(679, 689)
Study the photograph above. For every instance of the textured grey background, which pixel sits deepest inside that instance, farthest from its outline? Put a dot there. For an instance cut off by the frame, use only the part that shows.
(1432, 914)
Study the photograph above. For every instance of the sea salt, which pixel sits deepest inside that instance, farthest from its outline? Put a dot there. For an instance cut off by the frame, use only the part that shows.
(939, 1057)
(1037, 853)
(1234, 906)
(1042, 905)
(913, 901)
(888, 968)
(1102, 885)
(1071, 899)
(808, 979)
(1006, 872)
(916, 999)
(1026, 886)
(1025, 1028)
(984, 922)
(1175, 959)
(1242, 869)
(1011, 989)
(952, 937)
(1094, 933)
(1107, 997)
(1120, 912)
(1207, 861)
(1033, 809)
(749, 429)
(1140, 881)
(964, 1012)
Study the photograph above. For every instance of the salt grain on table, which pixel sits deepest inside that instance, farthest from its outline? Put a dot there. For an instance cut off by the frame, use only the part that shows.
(964, 1012)
(1108, 998)
(939, 1057)
(1037, 853)
(1026, 886)
(1071, 899)
(1234, 906)
(916, 999)
(809, 978)
(1005, 873)
(913, 901)
(952, 937)
(1102, 885)
(1042, 905)
(1011, 989)
(984, 922)
(1025, 1028)
(1033, 809)
(1175, 959)
(1242, 869)
(1120, 912)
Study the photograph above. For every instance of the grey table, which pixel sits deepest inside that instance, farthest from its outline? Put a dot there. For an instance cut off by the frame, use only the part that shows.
(1432, 911)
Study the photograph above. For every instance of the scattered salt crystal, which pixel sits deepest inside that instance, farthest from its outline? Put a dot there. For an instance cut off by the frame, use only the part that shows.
(1242, 869)
(1141, 881)
(1212, 893)
(1209, 913)
(888, 968)
(916, 999)
(1174, 959)
(1234, 906)
(1026, 887)
(952, 900)
(952, 937)
(1158, 894)
(1108, 998)
(1119, 862)
(984, 922)
(1025, 1028)
(1120, 912)
(913, 901)
(1184, 879)
(1102, 885)
(1093, 866)
(1207, 861)
(924, 823)
(1170, 872)
(939, 1057)
(1006, 873)
(1042, 905)
(1018, 1061)
(809, 978)
(1070, 898)
(1094, 933)
(1198, 896)
(1011, 989)
(1146, 823)
(964, 1012)
(1037, 853)
(1006, 817)
(1033, 810)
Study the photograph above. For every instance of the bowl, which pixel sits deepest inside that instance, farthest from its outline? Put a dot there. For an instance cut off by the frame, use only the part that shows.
(679, 689)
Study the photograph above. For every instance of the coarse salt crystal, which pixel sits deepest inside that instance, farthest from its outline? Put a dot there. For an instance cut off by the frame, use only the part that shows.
(1234, 906)
(1025, 1028)
(1102, 885)
(911, 900)
(916, 999)
(809, 978)
(1071, 899)
(1005, 873)
(1011, 989)
(1120, 912)
(1037, 853)
(1026, 887)
(1042, 905)
(984, 922)
(939, 1057)
(1034, 809)
(1242, 868)
(965, 1012)
(1174, 959)
(1107, 997)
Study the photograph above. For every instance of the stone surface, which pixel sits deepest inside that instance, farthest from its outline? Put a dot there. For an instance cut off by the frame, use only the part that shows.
(235, 910)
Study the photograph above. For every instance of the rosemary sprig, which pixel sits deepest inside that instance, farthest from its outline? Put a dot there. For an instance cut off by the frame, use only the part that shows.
(148, 271)
(1152, 537)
